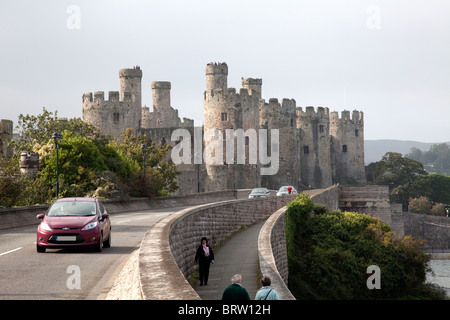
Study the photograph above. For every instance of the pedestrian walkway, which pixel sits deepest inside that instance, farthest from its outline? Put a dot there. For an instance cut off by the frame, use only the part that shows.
(237, 255)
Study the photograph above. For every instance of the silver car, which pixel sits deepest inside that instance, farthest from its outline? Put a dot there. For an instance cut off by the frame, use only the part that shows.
(259, 193)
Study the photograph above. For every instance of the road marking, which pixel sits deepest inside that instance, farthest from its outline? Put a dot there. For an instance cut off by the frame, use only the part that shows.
(122, 221)
(143, 218)
(1, 254)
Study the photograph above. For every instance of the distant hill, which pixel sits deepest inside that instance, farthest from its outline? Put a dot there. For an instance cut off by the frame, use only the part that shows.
(374, 150)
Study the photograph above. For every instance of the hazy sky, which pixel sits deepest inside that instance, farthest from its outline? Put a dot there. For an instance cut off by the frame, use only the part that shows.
(389, 59)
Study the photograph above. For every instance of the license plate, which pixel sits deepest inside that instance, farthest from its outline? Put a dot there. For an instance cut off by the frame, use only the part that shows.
(66, 238)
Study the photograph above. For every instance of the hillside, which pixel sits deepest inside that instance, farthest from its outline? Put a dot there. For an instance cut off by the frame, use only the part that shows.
(374, 150)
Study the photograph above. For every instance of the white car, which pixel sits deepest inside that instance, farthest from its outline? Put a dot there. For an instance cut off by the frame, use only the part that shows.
(259, 193)
(284, 191)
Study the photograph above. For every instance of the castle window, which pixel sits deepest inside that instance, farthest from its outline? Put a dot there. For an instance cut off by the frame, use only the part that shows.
(116, 117)
(356, 133)
(344, 148)
(292, 123)
(321, 128)
(224, 116)
(306, 149)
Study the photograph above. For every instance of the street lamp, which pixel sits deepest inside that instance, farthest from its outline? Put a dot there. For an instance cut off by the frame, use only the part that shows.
(57, 137)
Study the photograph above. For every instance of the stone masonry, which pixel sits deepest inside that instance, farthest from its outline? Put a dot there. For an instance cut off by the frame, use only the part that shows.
(316, 147)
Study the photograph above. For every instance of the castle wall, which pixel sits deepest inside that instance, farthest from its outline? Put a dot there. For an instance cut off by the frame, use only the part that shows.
(192, 176)
(282, 117)
(313, 147)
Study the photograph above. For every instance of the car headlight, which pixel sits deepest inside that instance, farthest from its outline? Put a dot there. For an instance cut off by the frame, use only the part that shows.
(90, 225)
(45, 226)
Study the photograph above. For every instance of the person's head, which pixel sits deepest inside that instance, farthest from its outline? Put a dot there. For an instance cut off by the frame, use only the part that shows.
(237, 278)
(204, 240)
(265, 281)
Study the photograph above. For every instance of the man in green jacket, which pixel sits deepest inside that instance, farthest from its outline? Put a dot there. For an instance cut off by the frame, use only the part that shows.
(235, 291)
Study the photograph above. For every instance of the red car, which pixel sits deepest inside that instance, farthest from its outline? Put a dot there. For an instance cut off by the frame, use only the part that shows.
(72, 222)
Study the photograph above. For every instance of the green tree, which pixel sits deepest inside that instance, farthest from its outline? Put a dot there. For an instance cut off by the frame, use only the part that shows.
(329, 253)
(402, 175)
(79, 161)
(36, 130)
(90, 164)
(160, 173)
(438, 187)
(436, 160)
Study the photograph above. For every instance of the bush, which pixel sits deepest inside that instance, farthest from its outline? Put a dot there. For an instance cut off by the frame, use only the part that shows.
(329, 253)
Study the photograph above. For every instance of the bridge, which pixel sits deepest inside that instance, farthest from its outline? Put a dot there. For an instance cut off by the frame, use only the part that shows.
(160, 269)
(158, 265)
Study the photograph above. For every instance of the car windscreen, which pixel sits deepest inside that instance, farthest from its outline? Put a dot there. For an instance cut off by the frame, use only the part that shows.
(259, 191)
(72, 208)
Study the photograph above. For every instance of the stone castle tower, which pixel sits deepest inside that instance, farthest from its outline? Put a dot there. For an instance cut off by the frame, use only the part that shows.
(224, 108)
(314, 147)
(122, 109)
(347, 145)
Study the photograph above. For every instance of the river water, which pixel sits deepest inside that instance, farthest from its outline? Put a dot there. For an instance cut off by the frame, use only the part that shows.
(440, 274)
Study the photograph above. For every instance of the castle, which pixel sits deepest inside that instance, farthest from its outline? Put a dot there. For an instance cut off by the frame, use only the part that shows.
(314, 147)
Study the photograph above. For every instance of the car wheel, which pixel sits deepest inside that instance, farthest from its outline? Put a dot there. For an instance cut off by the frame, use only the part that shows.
(39, 248)
(98, 247)
(107, 243)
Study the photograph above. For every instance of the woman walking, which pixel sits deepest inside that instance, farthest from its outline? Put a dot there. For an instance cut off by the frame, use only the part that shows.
(204, 256)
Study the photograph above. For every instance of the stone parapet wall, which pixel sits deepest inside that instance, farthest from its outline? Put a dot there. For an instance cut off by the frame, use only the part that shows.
(272, 242)
(165, 258)
(26, 216)
(164, 268)
(273, 255)
(434, 229)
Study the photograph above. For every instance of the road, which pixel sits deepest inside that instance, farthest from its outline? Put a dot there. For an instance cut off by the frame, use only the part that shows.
(75, 274)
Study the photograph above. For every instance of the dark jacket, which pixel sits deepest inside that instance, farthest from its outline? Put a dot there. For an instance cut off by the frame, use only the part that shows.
(235, 292)
(200, 254)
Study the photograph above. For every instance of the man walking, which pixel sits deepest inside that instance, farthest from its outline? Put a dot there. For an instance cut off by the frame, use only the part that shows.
(235, 291)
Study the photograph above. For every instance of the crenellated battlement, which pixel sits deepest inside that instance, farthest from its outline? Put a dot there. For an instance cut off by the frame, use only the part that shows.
(313, 113)
(356, 117)
(98, 97)
(136, 72)
(314, 144)
(253, 86)
(230, 96)
(287, 106)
